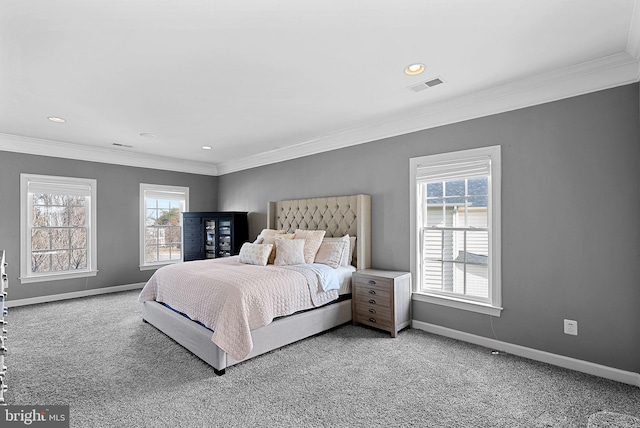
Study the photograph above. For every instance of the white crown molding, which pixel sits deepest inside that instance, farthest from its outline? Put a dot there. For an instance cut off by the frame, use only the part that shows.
(36, 146)
(633, 40)
(603, 73)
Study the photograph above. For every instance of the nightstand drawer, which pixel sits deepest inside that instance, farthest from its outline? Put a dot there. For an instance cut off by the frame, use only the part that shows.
(366, 311)
(373, 291)
(364, 281)
(374, 320)
(366, 300)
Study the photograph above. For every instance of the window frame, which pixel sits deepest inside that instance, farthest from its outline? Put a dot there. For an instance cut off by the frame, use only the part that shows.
(26, 221)
(493, 305)
(160, 188)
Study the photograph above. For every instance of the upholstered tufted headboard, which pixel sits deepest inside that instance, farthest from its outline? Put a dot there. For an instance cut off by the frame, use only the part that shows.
(338, 215)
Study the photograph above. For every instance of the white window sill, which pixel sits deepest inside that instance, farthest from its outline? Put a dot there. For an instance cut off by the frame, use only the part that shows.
(452, 302)
(158, 266)
(57, 276)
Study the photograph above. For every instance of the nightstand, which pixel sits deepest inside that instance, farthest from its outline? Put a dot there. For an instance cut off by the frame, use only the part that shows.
(382, 299)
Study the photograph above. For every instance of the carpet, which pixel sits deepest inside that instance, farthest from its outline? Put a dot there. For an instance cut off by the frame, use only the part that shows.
(96, 355)
(611, 419)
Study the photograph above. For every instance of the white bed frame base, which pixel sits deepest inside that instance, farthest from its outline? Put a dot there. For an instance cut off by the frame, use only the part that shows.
(286, 330)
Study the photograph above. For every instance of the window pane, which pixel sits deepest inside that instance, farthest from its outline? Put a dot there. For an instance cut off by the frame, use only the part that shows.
(59, 200)
(60, 261)
(77, 201)
(77, 216)
(150, 203)
(432, 275)
(478, 186)
(477, 247)
(78, 259)
(40, 216)
(478, 281)
(163, 203)
(78, 237)
(164, 253)
(435, 216)
(40, 262)
(432, 244)
(58, 216)
(151, 217)
(60, 238)
(163, 217)
(478, 201)
(41, 199)
(40, 239)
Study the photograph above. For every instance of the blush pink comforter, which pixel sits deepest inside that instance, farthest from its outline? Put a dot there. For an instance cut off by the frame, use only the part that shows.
(232, 298)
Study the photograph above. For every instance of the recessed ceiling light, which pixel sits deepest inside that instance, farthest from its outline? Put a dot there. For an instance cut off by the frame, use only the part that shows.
(414, 69)
(56, 119)
(147, 135)
(206, 147)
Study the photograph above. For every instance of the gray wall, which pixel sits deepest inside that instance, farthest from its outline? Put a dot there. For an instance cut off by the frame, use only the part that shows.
(118, 218)
(570, 205)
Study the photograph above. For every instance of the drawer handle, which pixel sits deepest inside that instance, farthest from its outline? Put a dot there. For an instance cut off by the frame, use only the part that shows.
(373, 311)
(372, 320)
(372, 282)
(372, 291)
(373, 302)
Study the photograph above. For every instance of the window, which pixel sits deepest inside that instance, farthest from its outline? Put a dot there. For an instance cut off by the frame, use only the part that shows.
(57, 222)
(456, 229)
(161, 209)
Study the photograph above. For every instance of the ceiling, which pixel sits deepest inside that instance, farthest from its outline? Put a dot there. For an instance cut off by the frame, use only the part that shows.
(264, 81)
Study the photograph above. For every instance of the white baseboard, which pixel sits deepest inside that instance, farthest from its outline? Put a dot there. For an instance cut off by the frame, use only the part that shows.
(606, 372)
(73, 295)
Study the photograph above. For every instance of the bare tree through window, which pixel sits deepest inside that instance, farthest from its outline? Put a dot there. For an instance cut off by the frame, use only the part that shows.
(58, 233)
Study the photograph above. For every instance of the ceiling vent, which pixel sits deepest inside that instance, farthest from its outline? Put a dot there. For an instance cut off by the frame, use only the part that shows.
(426, 85)
(126, 146)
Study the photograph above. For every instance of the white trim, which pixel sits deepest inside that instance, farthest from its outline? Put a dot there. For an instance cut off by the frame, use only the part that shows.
(73, 295)
(59, 149)
(57, 276)
(614, 70)
(467, 305)
(633, 39)
(606, 372)
(183, 192)
(603, 73)
(493, 305)
(26, 276)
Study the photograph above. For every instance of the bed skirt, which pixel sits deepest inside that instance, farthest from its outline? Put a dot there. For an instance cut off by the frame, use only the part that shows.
(282, 331)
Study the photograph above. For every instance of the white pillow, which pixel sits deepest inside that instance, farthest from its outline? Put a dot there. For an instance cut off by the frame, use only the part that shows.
(267, 233)
(289, 252)
(255, 254)
(331, 253)
(271, 239)
(347, 256)
(313, 240)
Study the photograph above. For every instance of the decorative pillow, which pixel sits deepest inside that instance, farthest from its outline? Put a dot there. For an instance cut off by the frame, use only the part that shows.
(289, 252)
(331, 253)
(255, 254)
(312, 242)
(347, 256)
(265, 233)
(271, 239)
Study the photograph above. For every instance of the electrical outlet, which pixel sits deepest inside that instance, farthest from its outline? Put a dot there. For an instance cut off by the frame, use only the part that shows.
(571, 327)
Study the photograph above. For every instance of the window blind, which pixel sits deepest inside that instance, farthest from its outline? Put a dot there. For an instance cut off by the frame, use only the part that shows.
(164, 195)
(454, 170)
(53, 187)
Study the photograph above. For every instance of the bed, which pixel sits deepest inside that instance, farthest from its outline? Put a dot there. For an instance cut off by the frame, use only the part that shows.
(338, 216)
